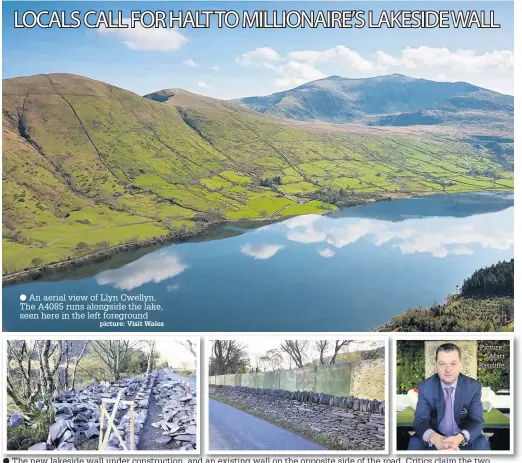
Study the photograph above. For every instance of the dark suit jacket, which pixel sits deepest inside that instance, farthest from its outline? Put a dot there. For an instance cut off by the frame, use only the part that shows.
(468, 410)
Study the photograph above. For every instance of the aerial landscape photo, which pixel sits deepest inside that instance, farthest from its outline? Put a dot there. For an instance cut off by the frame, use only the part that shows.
(261, 180)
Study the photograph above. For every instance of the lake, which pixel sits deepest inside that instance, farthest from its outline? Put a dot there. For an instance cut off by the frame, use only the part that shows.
(351, 270)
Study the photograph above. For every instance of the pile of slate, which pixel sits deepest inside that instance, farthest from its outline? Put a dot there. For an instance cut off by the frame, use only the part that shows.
(141, 405)
(178, 414)
(15, 421)
(78, 412)
(349, 403)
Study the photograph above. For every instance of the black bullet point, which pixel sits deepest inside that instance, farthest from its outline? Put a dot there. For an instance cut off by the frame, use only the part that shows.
(6, 460)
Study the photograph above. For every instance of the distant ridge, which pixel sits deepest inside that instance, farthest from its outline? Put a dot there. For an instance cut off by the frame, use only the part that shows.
(386, 100)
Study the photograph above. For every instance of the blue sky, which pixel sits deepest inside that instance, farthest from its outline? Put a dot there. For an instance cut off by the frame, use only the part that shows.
(232, 63)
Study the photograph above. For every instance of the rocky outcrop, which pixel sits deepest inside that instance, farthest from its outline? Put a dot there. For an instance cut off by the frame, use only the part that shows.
(345, 423)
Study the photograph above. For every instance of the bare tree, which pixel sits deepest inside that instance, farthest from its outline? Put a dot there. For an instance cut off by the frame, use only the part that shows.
(67, 379)
(338, 346)
(114, 353)
(321, 347)
(49, 364)
(228, 357)
(256, 364)
(35, 372)
(67, 353)
(150, 357)
(25, 391)
(273, 359)
(78, 360)
(296, 351)
(191, 346)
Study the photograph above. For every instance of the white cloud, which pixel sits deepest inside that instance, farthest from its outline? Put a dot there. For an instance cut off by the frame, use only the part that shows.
(261, 251)
(339, 54)
(139, 38)
(172, 288)
(260, 57)
(493, 69)
(308, 235)
(191, 63)
(301, 220)
(342, 236)
(290, 73)
(294, 73)
(202, 84)
(154, 267)
(443, 58)
(439, 237)
(215, 68)
(326, 252)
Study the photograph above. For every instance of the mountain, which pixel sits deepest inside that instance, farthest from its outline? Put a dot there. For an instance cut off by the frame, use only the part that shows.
(89, 167)
(395, 100)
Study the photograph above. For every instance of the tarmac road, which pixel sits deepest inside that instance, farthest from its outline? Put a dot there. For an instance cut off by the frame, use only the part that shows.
(232, 429)
(191, 380)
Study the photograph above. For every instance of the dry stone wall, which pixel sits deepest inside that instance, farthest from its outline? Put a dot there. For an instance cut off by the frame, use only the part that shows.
(344, 423)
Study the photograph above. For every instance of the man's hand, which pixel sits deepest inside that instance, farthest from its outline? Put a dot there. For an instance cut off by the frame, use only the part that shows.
(453, 442)
(438, 441)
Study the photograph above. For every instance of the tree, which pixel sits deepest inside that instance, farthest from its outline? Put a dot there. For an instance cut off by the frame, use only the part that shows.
(273, 359)
(338, 346)
(34, 374)
(22, 390)
(82, 246)
(296, 351)
(114, 353)
(228, 357)
(37, 262)
(150, 357)
(77, 362)
(321, 347)
(256, 364)
(48, 367)
(191, 346)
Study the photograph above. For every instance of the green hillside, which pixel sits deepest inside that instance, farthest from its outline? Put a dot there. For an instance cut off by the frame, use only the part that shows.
(485, 302)
(87, 166)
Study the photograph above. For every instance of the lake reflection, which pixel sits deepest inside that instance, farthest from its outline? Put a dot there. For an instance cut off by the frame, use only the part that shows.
(348, 271)
(154, 267)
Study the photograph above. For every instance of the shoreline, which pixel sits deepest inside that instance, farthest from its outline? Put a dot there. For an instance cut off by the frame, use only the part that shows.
(34, 274)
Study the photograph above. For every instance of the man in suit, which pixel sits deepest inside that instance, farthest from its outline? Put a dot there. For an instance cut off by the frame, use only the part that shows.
(449, 414)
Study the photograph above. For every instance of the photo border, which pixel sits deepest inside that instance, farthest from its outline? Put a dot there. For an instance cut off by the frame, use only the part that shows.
(90, 337)
(299, 336)
(461, 336)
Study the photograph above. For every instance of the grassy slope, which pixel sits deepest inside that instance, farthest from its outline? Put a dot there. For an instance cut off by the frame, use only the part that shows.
(86, 162)
(458, 314)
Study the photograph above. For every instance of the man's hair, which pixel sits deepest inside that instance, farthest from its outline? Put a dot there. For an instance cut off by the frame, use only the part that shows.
(448, 347)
